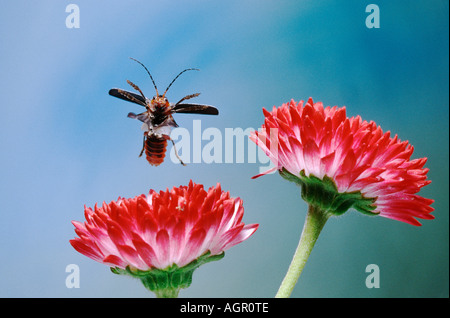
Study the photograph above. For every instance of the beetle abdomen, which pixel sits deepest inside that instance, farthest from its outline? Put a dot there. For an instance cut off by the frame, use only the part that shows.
(155, 149)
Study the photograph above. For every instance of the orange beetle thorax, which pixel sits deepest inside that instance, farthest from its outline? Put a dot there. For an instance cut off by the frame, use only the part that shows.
(159, 103)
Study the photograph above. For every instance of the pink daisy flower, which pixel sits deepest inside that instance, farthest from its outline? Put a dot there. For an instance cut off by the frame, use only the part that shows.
(343, 162)
(163, 237)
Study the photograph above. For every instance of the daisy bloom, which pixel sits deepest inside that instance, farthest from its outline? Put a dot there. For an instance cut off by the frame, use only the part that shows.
(161, 238)
(342, 163)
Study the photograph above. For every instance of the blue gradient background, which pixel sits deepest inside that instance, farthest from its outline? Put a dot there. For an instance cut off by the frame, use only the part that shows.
(66, 143)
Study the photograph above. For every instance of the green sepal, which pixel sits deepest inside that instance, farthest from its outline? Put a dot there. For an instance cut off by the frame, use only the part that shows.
(167, 282)
(324, 194)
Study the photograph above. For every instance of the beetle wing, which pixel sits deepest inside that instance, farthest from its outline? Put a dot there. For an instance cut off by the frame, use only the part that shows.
(195, 109)
(128, 96)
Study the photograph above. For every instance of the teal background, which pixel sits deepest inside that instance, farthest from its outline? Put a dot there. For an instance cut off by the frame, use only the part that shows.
(66, 143)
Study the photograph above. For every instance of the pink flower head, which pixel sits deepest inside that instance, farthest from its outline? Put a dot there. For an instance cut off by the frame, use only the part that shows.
(161, 230)
(310, 144)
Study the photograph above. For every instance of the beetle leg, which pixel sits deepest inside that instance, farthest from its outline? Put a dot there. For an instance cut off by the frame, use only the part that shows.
(176, 152)
(143, 146)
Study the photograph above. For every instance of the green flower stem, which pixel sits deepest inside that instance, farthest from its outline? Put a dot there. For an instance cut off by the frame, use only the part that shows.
(315, 220)
(167, 293)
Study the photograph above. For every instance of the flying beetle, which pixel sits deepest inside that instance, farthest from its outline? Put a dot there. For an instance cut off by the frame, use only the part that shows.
(157, 118)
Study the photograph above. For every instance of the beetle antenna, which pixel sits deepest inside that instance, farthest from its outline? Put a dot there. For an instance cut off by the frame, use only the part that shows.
(156, 89)
(188, 69)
